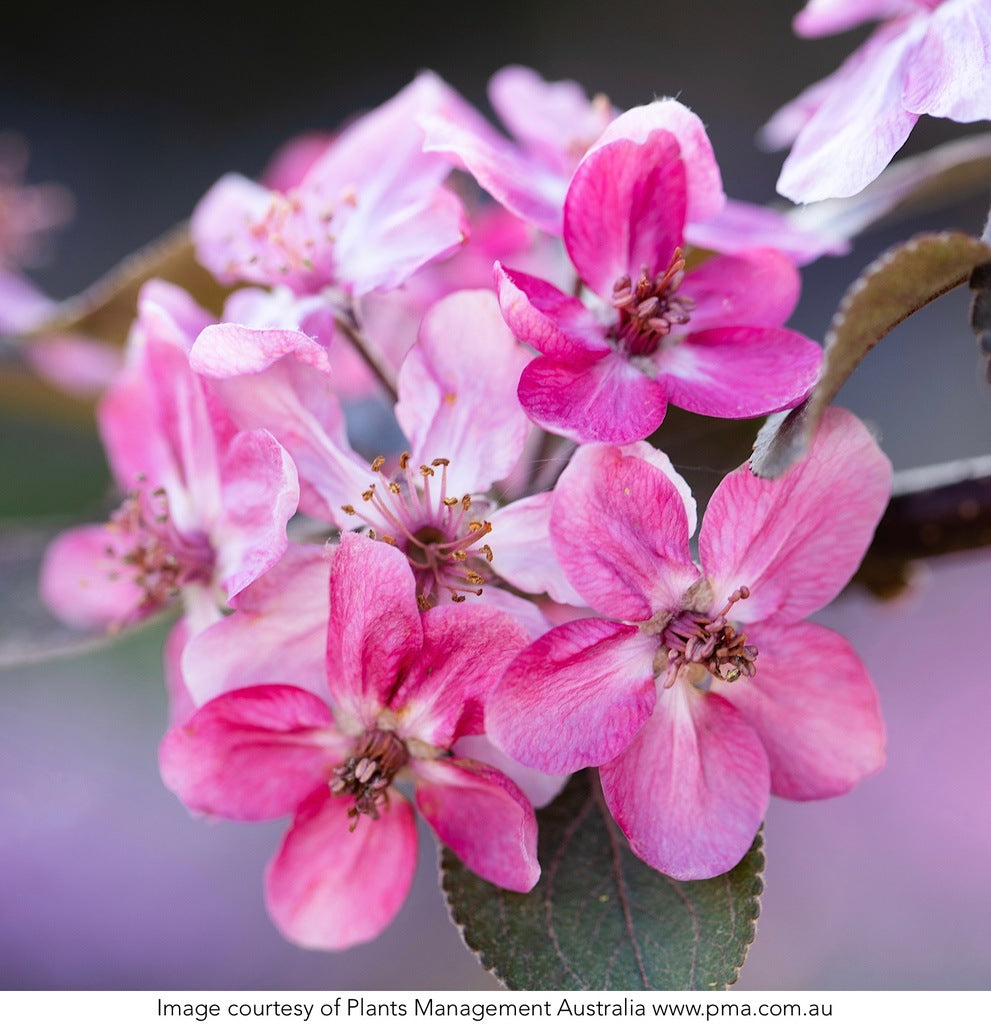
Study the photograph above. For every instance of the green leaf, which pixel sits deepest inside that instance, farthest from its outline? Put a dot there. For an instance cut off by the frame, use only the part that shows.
(895, 286)
(600, 918)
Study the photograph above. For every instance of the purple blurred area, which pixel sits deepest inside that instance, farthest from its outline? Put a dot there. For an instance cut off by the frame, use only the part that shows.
(105, 880)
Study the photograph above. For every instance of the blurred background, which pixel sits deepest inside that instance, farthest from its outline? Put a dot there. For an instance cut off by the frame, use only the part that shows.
(105, 880)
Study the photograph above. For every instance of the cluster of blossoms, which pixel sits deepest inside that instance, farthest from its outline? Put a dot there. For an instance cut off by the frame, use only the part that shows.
(403, 496)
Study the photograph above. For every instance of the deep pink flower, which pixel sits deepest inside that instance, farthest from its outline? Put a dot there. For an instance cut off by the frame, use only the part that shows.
(404, 687)
(206, 506)
(928, 57)
(368, 212)
(707, 340)
(700, 692)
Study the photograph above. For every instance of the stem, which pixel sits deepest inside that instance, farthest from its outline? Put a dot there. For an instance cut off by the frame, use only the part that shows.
(934, 510)
(347, 321)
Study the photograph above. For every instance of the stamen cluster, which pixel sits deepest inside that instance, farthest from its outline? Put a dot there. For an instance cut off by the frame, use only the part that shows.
(650, 308)
(697, 638)
(368, 774)
(159, 558)
(432, 528)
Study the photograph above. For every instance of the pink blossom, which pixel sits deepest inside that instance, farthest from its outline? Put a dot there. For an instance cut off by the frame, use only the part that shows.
(701, 691)
(466, 431)
(554, 124)
(927, 57)
(708, 340)
(367, 213)
(401, 689)
(206, 506)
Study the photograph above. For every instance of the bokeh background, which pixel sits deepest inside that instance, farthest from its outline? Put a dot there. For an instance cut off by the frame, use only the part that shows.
(105, 880)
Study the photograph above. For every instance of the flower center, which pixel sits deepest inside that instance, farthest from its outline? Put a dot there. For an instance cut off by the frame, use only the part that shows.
(439, 533)
(159, 558)
(710, 641)
(295, 237)
(367, 775)
(650, 308)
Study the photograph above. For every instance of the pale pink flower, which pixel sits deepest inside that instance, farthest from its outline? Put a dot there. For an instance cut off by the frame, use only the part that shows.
(206, 506)
(708, 340)
(465, 429)
(554, 124)
(702, 691)
(277, 634)
(367, 213)
(927, 57)
(402, 688)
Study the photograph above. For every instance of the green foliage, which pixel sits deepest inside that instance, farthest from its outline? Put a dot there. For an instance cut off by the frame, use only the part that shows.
(600, 918)
(895, 286)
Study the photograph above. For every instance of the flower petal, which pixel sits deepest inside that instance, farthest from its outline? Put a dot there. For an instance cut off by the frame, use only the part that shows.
(758, 287)
(592, 398)
(375, 630)
(221, 228)
(742, 226)
(483, 817)
(625, 209)
(182, 705)
(229, 350)
(384, 248)
(860, 124)
(555, 120)
(619, 527)
(575, 697)
(691, 790)
(705, 196)
(522, 552)
(796, 541)
(518, 183)
(738, 372)
(22, 306)
(296, 402)
(84, 586)
(457, 392)
(278, 633)
(947, 73)
(465, 651)
(538, 787)
(825, 17)
(814, 708)
(259, 495)
(543, 316)
(330, 888)
(252, 754)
